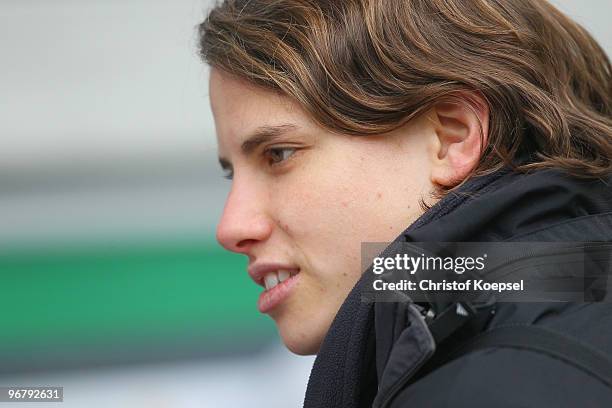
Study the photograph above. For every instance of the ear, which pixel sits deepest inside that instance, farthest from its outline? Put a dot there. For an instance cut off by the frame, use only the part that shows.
(461, 127)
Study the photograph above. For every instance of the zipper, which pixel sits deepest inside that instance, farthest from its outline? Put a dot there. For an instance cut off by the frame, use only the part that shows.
(529, 255)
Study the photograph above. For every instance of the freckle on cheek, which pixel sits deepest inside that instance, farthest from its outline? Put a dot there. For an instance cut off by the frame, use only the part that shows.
(379, 195)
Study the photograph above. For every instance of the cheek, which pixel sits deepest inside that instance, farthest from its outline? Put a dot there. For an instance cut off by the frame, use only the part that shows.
(316, 220)
(326, 214)
(330, 220)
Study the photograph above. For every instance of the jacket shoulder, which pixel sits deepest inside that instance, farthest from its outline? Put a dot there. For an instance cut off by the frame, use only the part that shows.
(510, 377)
(505, 378)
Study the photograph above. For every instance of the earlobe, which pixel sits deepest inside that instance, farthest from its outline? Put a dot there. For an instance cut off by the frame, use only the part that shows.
(461, 127)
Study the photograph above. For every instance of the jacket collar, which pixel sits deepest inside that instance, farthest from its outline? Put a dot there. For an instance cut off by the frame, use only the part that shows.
(490, 208)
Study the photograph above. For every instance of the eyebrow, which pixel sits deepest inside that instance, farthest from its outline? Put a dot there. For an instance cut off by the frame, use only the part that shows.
(261, 135)
(264, 134)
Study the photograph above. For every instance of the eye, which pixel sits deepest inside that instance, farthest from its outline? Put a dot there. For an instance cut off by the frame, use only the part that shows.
(228, 174)
(277, 155)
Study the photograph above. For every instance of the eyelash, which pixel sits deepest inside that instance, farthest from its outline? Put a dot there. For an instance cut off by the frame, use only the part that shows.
(267, 153)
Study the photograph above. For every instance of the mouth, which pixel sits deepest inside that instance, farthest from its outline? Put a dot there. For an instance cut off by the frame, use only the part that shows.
(278, 282)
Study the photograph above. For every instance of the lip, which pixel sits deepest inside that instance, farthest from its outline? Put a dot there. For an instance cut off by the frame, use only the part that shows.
(271, 298)
(259, 270)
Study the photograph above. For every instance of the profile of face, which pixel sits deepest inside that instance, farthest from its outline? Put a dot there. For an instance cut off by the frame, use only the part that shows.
(303, 198)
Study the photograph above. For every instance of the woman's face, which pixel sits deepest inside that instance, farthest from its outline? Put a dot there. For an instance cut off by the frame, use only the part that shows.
(303, 199)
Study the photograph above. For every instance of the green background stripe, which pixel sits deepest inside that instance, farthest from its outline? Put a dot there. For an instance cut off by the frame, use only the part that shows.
(101, 296)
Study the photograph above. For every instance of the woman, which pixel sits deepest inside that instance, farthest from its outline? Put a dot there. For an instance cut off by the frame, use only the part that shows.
(342, 122)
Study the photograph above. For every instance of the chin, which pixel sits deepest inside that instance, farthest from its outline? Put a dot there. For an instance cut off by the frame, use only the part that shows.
(300, 339)
(302, 346)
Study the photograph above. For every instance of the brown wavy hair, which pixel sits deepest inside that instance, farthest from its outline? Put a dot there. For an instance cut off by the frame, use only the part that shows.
(366, 67)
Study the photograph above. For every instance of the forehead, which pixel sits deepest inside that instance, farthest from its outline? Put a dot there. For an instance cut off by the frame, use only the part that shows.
(239, 108)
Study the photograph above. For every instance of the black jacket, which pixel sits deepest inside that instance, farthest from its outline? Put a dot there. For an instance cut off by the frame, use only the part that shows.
(381, 354)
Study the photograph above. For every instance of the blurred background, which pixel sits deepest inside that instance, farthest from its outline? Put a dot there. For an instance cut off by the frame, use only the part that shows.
(111, 283)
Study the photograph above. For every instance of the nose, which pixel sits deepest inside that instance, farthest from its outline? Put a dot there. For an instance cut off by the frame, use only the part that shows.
(244, 222)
